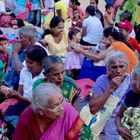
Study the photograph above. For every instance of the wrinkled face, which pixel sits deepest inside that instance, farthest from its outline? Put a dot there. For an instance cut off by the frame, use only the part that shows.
(3, 45)
(117, 67)
(25, 41)
(59, 29)
(56, 74)
(125, 32)
(135, 83)
(77, 37)
(93, 3)
(33, 66)
(55, 107)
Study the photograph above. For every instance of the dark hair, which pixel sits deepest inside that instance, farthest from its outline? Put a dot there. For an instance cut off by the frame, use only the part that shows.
(1, 32)
(54, 23)
(72, 32)
(36, 53)
(90, 10)
(20, 23)
(96, 1)
(107, 6)
(111, 31)
(50, 62)
(127, 15)
(76, 2)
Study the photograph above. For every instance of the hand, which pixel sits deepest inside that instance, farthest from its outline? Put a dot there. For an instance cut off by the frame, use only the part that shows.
(115, 82)
(125, 133)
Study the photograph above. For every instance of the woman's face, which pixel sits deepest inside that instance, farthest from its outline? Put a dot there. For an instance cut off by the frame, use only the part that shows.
(56, 74)
(107, 41)
(118, 67)
(55, 108)
(59, 29)
(77, 37)
(33, 66)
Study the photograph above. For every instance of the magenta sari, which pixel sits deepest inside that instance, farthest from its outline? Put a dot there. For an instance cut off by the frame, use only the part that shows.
(65, 128)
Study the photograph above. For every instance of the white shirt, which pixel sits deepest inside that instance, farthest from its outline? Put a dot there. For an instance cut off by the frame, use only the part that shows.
(27, 80)
(94, 30)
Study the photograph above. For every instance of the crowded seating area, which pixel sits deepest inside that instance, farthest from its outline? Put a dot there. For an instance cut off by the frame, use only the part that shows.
(69, 71)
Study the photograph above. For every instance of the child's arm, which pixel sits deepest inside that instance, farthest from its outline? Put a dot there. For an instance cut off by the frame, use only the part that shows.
(109, 19)
(42, 4)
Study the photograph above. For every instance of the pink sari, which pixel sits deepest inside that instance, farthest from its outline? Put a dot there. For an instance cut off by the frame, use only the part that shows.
(65, 128)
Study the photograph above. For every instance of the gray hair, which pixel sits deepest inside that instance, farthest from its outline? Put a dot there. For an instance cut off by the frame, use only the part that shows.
(29, 32)
(49, 62)
(41, 95)
(111, 56)
(136, 72)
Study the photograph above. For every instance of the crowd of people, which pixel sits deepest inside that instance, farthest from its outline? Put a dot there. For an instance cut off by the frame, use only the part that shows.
(40, 94)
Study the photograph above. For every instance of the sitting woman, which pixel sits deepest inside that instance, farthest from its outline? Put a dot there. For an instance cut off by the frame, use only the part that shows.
(116, 83)
(114, 41)
(28, 74)
(49, 117)
(54, 72)
(56, 38)
(132, 99)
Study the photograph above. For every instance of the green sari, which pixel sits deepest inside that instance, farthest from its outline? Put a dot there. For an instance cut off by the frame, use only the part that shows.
(69, 88)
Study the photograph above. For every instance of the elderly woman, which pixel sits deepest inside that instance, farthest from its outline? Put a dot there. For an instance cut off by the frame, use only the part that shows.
(54, 72)
(49, 117)
(116, 83)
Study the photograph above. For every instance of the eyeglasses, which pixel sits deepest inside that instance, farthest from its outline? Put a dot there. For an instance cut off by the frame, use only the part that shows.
(58, 107)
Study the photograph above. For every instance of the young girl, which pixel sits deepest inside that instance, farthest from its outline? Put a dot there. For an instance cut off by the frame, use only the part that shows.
(132, 99)
(74, 60)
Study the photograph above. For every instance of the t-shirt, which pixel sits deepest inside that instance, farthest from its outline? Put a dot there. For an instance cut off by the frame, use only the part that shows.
(132, 99)
(60, 5)
(134, 42)
(27, 80)
(94, 30)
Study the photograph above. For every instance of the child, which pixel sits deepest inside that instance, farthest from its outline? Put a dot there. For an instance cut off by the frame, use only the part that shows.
(127, 16)
(132, 99)
(126, 28)
(4, 54)
(74, 60)
(108, 16)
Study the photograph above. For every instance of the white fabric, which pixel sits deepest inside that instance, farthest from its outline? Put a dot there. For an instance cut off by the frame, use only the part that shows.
(132, 34)
(27, 80)
(2, 7)
(66, 2)
(49, 3)
(94, 30)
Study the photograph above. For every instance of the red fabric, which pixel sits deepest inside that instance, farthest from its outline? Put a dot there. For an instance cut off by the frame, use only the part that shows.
(6, 21)
(22, 16)
(85, 85)
(134, 42)
(27, 126)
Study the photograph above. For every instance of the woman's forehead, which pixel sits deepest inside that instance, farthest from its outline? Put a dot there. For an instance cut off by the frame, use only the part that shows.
(117, 61)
